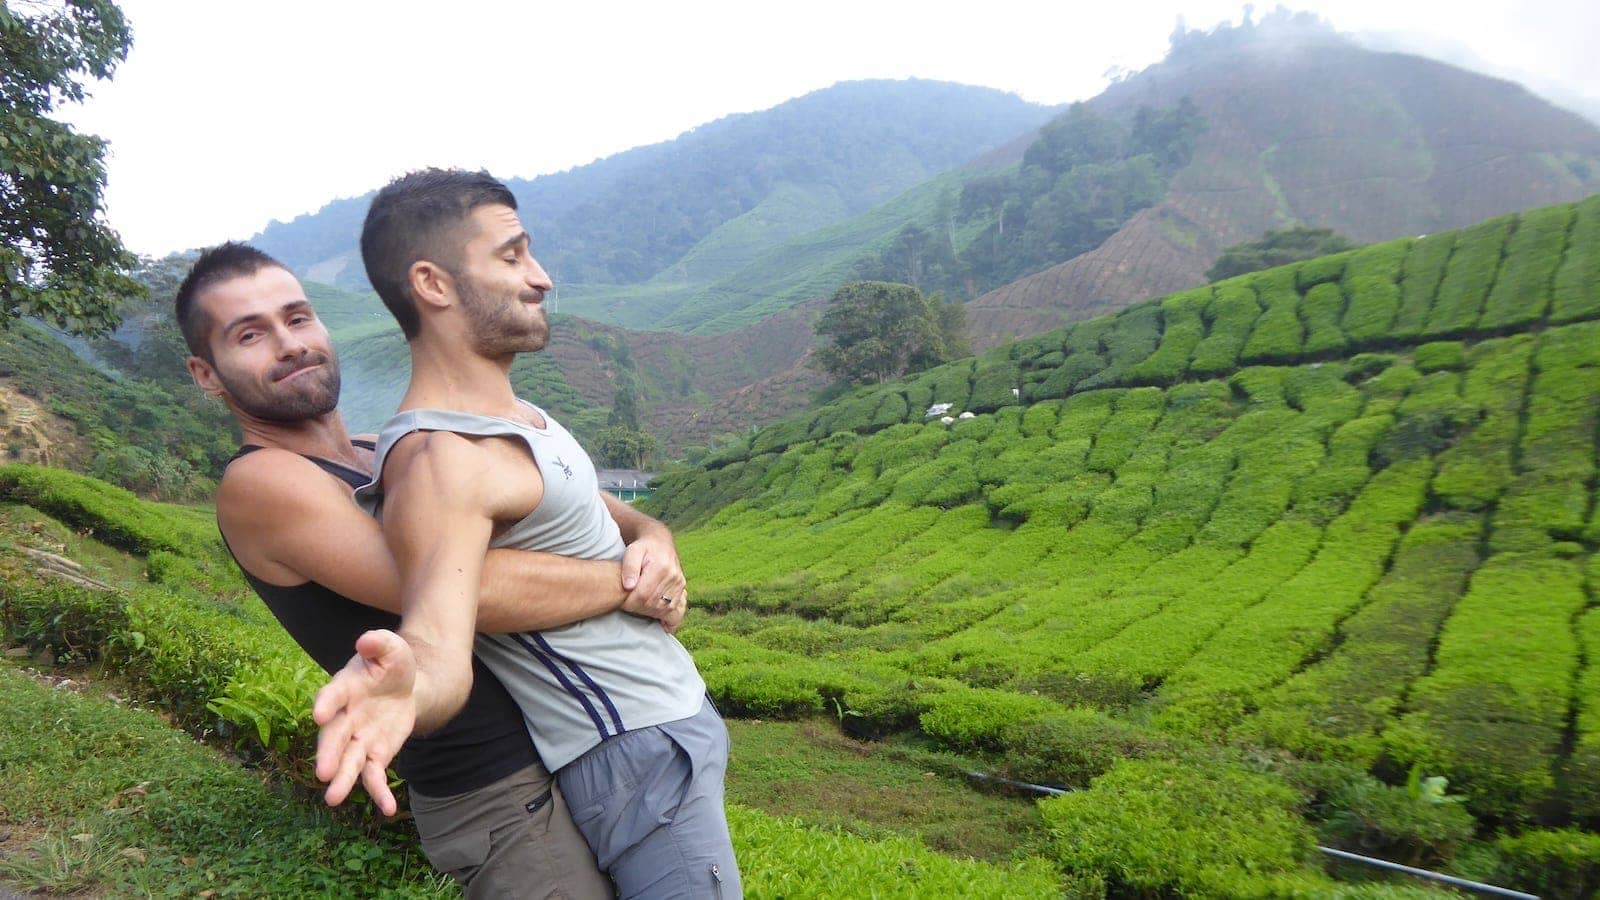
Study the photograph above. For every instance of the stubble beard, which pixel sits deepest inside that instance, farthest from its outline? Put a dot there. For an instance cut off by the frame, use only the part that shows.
(497, 327)
(316, 394)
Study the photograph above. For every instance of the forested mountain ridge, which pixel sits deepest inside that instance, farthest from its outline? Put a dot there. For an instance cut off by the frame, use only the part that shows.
(1306, 126)
(730, 188)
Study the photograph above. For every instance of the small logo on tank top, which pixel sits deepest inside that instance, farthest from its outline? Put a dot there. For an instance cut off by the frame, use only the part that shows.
(564, 468)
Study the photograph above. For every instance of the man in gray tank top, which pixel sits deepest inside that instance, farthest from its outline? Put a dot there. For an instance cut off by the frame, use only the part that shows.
(614, 704)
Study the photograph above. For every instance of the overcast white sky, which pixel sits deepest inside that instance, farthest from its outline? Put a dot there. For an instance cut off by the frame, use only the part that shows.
(230, 114)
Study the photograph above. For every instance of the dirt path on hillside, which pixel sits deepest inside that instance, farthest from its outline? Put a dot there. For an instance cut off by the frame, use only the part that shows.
(28, 432)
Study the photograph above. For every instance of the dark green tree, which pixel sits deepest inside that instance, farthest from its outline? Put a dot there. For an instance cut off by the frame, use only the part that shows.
(623, 447)
(58, 258)
(1278, 248)
(625, 403)
(874, 331)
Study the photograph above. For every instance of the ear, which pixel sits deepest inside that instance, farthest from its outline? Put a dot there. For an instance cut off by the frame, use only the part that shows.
(431, 286)
(205, 376)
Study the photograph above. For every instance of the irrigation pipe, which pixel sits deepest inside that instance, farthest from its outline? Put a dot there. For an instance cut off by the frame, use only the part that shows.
(1476, 886)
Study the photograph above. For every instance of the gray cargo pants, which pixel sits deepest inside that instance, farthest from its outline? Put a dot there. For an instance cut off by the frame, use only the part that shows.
(650, 804)
(512, 838)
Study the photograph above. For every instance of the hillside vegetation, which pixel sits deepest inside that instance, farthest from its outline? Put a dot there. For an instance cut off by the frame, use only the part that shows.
(1235, 551)
(114, 799)
(714, 198)
(1305, 126)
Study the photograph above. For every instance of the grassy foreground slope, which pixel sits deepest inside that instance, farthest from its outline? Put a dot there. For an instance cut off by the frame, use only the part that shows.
(1339, 513)
(113, 798)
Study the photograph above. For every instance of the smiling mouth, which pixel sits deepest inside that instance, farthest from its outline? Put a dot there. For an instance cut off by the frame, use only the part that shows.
(300, 371)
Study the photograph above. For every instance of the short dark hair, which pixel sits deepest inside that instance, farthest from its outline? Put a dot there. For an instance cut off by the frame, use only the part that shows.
(412, 219)
(217, 264)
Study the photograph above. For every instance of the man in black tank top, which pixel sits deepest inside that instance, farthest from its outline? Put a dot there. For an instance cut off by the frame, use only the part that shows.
(487, 810)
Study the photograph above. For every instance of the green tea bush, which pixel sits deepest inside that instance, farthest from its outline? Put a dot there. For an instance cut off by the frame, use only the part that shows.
(1278, 335)
(1492, 712)
(1563, 864)
(1229, 318)
(74, 623)
(1467, 280)
(1321, 270)
(1137, 411)
(1074, 747)
(1181, 331)
(1420, 276)
(893, 410)
(1134, 336)
(1372, 282)
(977, 718)
(1411, 824)
(954, 384)
(112, 514)
(1323, 307)
(1583, 766)
(1475, 472)
(1439, 356)
(1576, 294)
(270, 705)
(992, 386)
(763, 690)
(1337, 707)
(1075, 369)
(1521, 292)
(786, 858)
(1194, 828)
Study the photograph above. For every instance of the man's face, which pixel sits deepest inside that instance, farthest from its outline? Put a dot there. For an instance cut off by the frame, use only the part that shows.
(271, 357)
(501, 285)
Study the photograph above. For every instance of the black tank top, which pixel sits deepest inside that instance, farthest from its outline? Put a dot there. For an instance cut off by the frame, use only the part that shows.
(485, 742)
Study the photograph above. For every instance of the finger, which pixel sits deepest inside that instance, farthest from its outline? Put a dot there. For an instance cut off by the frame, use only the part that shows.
(633, 563)
(654, 584)
(331, 698)
(376, 780)
(378, 646)
(332, 741)
(350, 765)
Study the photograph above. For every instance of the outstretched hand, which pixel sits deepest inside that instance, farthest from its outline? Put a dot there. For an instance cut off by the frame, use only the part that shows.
(653, 577)
(366, 712)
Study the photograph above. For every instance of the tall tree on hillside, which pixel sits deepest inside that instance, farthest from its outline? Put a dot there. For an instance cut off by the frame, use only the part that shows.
(622, 443)
(875, 331)
(58, 258)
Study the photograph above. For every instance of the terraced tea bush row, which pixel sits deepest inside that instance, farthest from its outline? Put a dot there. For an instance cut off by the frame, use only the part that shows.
(1493, 710)
(1381, 297)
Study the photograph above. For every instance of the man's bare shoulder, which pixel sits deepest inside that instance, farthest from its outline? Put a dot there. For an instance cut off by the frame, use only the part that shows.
(466, 472)
(270, 480)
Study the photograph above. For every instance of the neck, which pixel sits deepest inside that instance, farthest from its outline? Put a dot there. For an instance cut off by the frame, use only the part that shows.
(446, 375)
(323, 436)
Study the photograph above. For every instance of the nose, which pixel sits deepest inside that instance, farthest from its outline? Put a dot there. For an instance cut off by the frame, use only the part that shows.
(289, 344)
(537, 278)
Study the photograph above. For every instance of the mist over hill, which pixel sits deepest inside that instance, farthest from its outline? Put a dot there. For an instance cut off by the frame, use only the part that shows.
(1307, 126)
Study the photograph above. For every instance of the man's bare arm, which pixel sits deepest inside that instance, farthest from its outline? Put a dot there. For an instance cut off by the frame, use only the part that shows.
(283, 517)
(438, 520)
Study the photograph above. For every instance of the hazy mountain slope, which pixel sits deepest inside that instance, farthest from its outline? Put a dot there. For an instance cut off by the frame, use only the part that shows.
(692, 387)
(717, 196)
(1305, 126)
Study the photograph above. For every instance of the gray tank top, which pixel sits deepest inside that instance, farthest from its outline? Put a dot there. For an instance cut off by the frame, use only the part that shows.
(582, 683)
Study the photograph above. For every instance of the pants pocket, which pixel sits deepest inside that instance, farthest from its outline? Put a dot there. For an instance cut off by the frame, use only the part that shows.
(458, 854)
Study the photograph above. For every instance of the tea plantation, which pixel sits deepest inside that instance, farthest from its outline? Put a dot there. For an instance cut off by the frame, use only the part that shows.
(1237, 564)
(1305, 557)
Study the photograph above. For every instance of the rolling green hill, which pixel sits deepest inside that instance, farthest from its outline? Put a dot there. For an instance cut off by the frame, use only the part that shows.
(1302, 528)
